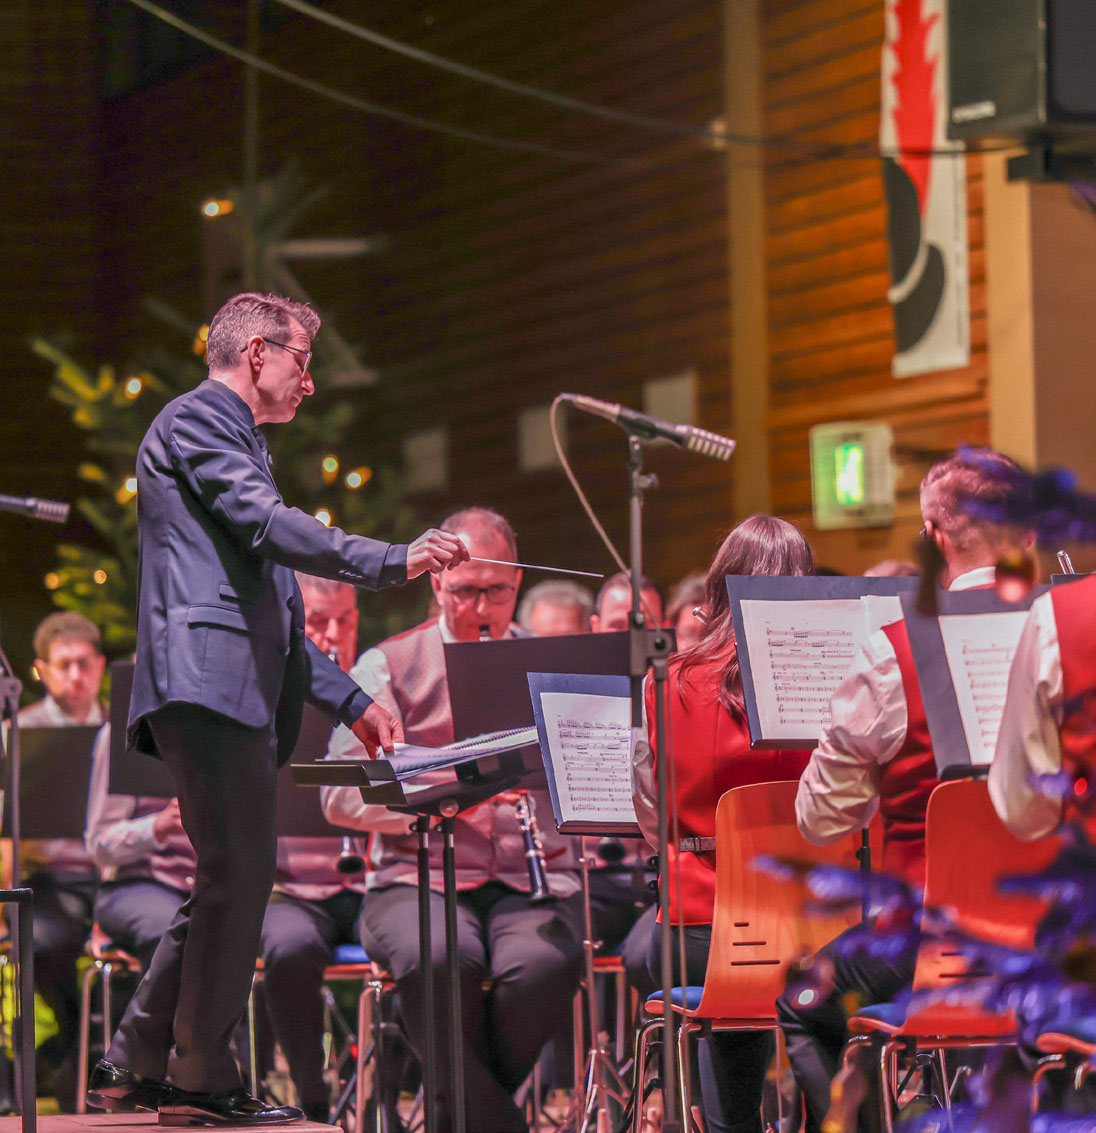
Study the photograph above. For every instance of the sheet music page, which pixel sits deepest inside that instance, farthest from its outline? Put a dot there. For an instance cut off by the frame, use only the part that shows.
(590, 742)
(979, 649)
(799, 654)
(882, 610)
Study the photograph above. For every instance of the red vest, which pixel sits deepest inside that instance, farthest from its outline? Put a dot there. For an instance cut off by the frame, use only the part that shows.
(711, 753)
(1074, 606)
(907, 780)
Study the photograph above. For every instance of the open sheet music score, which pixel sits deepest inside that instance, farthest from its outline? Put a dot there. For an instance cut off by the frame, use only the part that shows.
(796, 640)
(585, 727)
(407, 760)
(963, 657)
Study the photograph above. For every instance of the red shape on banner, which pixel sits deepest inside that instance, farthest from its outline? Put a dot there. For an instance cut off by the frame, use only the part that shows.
(915, 91)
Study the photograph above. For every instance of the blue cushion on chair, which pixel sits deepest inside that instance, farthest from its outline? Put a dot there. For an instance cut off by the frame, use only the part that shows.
(687, 998)
(889, 1014)
(350, 954)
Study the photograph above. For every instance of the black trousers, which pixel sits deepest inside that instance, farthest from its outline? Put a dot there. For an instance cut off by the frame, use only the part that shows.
(531, 953)
(135, 913)
(179, 1024)
(731, 1065)
(815, 1031)
(297, 941)
(62, 924)
(623, 911)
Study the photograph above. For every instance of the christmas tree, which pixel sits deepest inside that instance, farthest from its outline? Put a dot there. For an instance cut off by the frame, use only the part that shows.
(318, 457)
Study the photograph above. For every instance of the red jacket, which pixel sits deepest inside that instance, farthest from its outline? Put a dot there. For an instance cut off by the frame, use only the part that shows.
(711, 754)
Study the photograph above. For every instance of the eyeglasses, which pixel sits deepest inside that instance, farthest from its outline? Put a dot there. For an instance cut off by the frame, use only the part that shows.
(495, 594)
(285, 346)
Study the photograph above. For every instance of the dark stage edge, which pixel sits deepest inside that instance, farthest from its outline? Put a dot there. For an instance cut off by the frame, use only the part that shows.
(145, 1122)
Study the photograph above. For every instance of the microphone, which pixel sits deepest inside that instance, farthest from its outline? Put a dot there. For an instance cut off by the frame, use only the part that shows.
(49, 510)
(688, 437)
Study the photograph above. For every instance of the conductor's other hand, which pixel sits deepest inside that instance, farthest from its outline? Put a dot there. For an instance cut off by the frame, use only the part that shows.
(435, 551)
(377, 728)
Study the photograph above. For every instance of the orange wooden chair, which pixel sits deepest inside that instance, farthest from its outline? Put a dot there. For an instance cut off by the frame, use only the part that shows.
(759, 926)
(968, 849)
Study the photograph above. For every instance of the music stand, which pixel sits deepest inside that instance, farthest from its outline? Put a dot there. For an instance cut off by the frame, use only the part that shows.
(942, 699)
(479, 777)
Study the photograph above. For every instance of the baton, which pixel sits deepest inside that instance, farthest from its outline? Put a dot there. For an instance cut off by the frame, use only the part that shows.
(534, 566)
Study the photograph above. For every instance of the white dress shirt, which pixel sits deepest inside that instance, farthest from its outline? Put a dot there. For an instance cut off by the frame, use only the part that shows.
(838, 791)
(1028, 742)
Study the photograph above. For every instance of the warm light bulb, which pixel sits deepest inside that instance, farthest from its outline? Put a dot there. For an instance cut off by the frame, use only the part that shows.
(358, 477)
(134, 387)
(324, 516)
(211, 208)
(330, 468)
(53, 580)
(100, 576)
(131, 485)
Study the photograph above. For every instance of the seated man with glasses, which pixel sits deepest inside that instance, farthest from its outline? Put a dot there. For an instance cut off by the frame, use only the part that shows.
(530, 953)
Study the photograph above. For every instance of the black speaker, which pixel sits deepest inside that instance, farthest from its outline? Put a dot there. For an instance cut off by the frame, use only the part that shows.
(1021, 70)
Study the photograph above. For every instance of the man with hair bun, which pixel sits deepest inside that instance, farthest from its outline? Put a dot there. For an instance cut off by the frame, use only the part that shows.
(223, 669)
(875, 754)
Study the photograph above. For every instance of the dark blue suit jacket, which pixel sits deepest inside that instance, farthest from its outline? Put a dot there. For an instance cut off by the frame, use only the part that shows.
(220, 619)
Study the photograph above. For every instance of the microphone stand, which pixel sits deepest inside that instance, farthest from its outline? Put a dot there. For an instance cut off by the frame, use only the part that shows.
(650, 649)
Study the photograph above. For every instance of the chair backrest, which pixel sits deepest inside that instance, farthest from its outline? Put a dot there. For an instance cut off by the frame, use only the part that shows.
(967, 849)
(759, 926)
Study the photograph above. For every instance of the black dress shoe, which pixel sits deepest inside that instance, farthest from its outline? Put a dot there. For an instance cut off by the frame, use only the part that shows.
(120, 1090)
(233, 1107)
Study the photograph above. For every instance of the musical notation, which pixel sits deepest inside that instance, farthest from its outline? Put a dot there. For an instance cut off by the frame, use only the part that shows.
(590, 738)
(799, 653)
(979, 649)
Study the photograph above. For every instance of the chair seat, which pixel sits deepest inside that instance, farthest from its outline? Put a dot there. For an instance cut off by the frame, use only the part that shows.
(887, 1017)
(681, 998)
(350, 954)
(1070, 1036)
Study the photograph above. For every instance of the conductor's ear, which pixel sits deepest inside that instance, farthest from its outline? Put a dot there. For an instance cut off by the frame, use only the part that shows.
(254, 351)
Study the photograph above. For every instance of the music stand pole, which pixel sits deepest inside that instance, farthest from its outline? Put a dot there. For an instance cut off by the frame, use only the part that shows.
(426, 966)
(650, 649)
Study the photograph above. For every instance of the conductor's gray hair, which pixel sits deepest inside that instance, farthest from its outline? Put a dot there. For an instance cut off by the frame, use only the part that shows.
(249, 314)
(556, 592)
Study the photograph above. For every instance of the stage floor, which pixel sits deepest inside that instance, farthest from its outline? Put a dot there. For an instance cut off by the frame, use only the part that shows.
(137, 1122)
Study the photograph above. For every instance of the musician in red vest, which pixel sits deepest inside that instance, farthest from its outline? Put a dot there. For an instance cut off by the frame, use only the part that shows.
(1048, 716)
(710, 754)
(527, 953)
(876, 755)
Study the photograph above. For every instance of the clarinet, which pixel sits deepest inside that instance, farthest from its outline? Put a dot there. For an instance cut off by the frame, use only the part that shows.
(534, 851)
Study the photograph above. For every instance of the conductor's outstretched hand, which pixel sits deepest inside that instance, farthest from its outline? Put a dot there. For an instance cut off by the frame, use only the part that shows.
(376, 728)
(435, 551)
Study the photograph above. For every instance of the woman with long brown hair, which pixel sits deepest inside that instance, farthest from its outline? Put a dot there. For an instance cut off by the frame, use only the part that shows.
(710, 749)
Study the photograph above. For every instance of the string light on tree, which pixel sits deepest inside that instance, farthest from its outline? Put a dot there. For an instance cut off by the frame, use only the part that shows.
(134, 386)
(324, 516)
(52, 580)
(329, 468)
(214, 208)
(100, 577)
(358, 477)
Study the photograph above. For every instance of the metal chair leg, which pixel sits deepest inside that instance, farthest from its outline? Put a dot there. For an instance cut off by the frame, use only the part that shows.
(643, 1033)
(685, 1028)
(621, 1015)
(106, 979)
(84, 1049)
(887, 1052)
(945, 1084)
(252, 1040)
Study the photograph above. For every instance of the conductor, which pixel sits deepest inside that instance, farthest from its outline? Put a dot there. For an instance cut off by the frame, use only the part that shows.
(223, 670)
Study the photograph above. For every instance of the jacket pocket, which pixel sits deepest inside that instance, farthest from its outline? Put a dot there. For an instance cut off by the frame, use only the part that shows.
(231, 594)
(223, 616)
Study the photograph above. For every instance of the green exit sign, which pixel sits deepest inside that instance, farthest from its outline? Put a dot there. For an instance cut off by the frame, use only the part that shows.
(852, 475)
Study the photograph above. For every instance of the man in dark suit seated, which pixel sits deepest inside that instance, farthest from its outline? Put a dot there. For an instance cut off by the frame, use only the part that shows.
(223, 670)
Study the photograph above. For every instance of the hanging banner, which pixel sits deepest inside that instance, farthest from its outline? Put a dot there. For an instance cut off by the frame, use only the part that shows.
(925, 179)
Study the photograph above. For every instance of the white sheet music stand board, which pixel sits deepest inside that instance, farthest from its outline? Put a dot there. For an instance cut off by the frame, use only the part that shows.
(796, 640)
(584, 726)
(963, 656)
